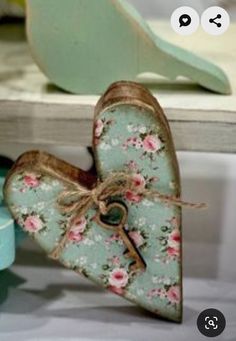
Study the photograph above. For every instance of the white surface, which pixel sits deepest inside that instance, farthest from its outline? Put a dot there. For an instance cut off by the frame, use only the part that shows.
(56, 304)
(210, 235)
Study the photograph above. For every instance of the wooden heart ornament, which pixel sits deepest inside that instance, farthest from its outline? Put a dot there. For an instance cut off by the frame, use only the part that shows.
(122, 229)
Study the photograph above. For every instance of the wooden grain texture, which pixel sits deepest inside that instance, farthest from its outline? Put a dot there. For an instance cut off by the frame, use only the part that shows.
(83, 56)
(33, 111)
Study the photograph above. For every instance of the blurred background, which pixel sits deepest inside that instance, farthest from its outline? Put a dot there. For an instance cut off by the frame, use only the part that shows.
(163, 9)
(149, 8)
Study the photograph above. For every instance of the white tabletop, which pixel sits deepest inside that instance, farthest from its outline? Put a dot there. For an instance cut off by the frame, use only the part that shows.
(56, 304)
(48, 303)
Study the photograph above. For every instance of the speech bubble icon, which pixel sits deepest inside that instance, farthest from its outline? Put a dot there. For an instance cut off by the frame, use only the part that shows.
(184, 20)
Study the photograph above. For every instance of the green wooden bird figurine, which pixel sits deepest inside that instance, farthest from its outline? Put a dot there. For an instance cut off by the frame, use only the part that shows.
(84, 45)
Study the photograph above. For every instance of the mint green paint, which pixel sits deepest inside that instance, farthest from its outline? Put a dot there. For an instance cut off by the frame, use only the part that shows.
(83, 46)
(7, 239)
(10, 233)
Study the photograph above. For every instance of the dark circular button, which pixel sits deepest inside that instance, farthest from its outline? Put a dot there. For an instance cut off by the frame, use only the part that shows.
(211, 322)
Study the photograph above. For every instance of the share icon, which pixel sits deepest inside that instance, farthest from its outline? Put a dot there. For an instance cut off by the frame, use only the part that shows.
(213, 20)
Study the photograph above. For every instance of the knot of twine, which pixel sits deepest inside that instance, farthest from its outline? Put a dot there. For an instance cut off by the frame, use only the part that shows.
(78, 200)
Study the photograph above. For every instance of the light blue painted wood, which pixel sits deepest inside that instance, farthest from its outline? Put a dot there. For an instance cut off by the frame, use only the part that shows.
(10, 234)
(7, 239)
(83, 46)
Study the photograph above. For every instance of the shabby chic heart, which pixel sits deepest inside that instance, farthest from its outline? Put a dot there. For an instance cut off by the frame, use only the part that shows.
(139, 256)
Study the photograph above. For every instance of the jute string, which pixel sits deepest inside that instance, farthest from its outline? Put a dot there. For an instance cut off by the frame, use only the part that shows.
(77, 200)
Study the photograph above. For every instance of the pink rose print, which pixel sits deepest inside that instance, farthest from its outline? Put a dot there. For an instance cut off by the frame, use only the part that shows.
(133, 197)
(75, 236)
(137, 238)
(173, 252)
(151, 144)
(80, 224)
(157, 292)
(173, 294)
(138, 184)
(99, 128)
(138, 181)
(115, 260)
(132, 165)
(174, 222)
(162, 293)
(31, 180)
(113, 238)
(118, 278)
(133, 142)
(174, 239)
(78, 227)
(173, 249)
(118, 291)
(33, 224)
(137, 142)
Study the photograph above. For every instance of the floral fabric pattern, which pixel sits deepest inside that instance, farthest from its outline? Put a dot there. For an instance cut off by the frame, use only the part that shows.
(126, 139)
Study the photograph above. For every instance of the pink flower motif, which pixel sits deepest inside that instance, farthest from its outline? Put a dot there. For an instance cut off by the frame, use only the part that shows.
(137, 142)
(115, 260)
(133, 142)
(138, 181)
(133, 197)
(115, 237)
(162, 293)
(173, 252)
(80, 224)
(174, 239)
(78, 227)
(75, 236)
(132, 165)
(152, 293)
(31, 180)
(175, 222)
(137, 238)
(157, 292)
(173, 294)
(151, 144)
(33, 224)
(118, 291)
(99, 128)
(118, 278)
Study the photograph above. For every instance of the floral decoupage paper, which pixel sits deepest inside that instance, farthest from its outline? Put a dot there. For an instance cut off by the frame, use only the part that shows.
(128, 139)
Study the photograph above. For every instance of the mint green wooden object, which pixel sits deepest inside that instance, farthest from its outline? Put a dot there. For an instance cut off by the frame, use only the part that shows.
(10, 233)
(83, 46)
(7, 234)
(7, 237)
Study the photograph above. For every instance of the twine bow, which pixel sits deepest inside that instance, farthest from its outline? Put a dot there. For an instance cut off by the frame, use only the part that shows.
(78, 200)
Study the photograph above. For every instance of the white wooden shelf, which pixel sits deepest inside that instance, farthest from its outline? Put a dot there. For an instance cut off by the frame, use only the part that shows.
(34, 111)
